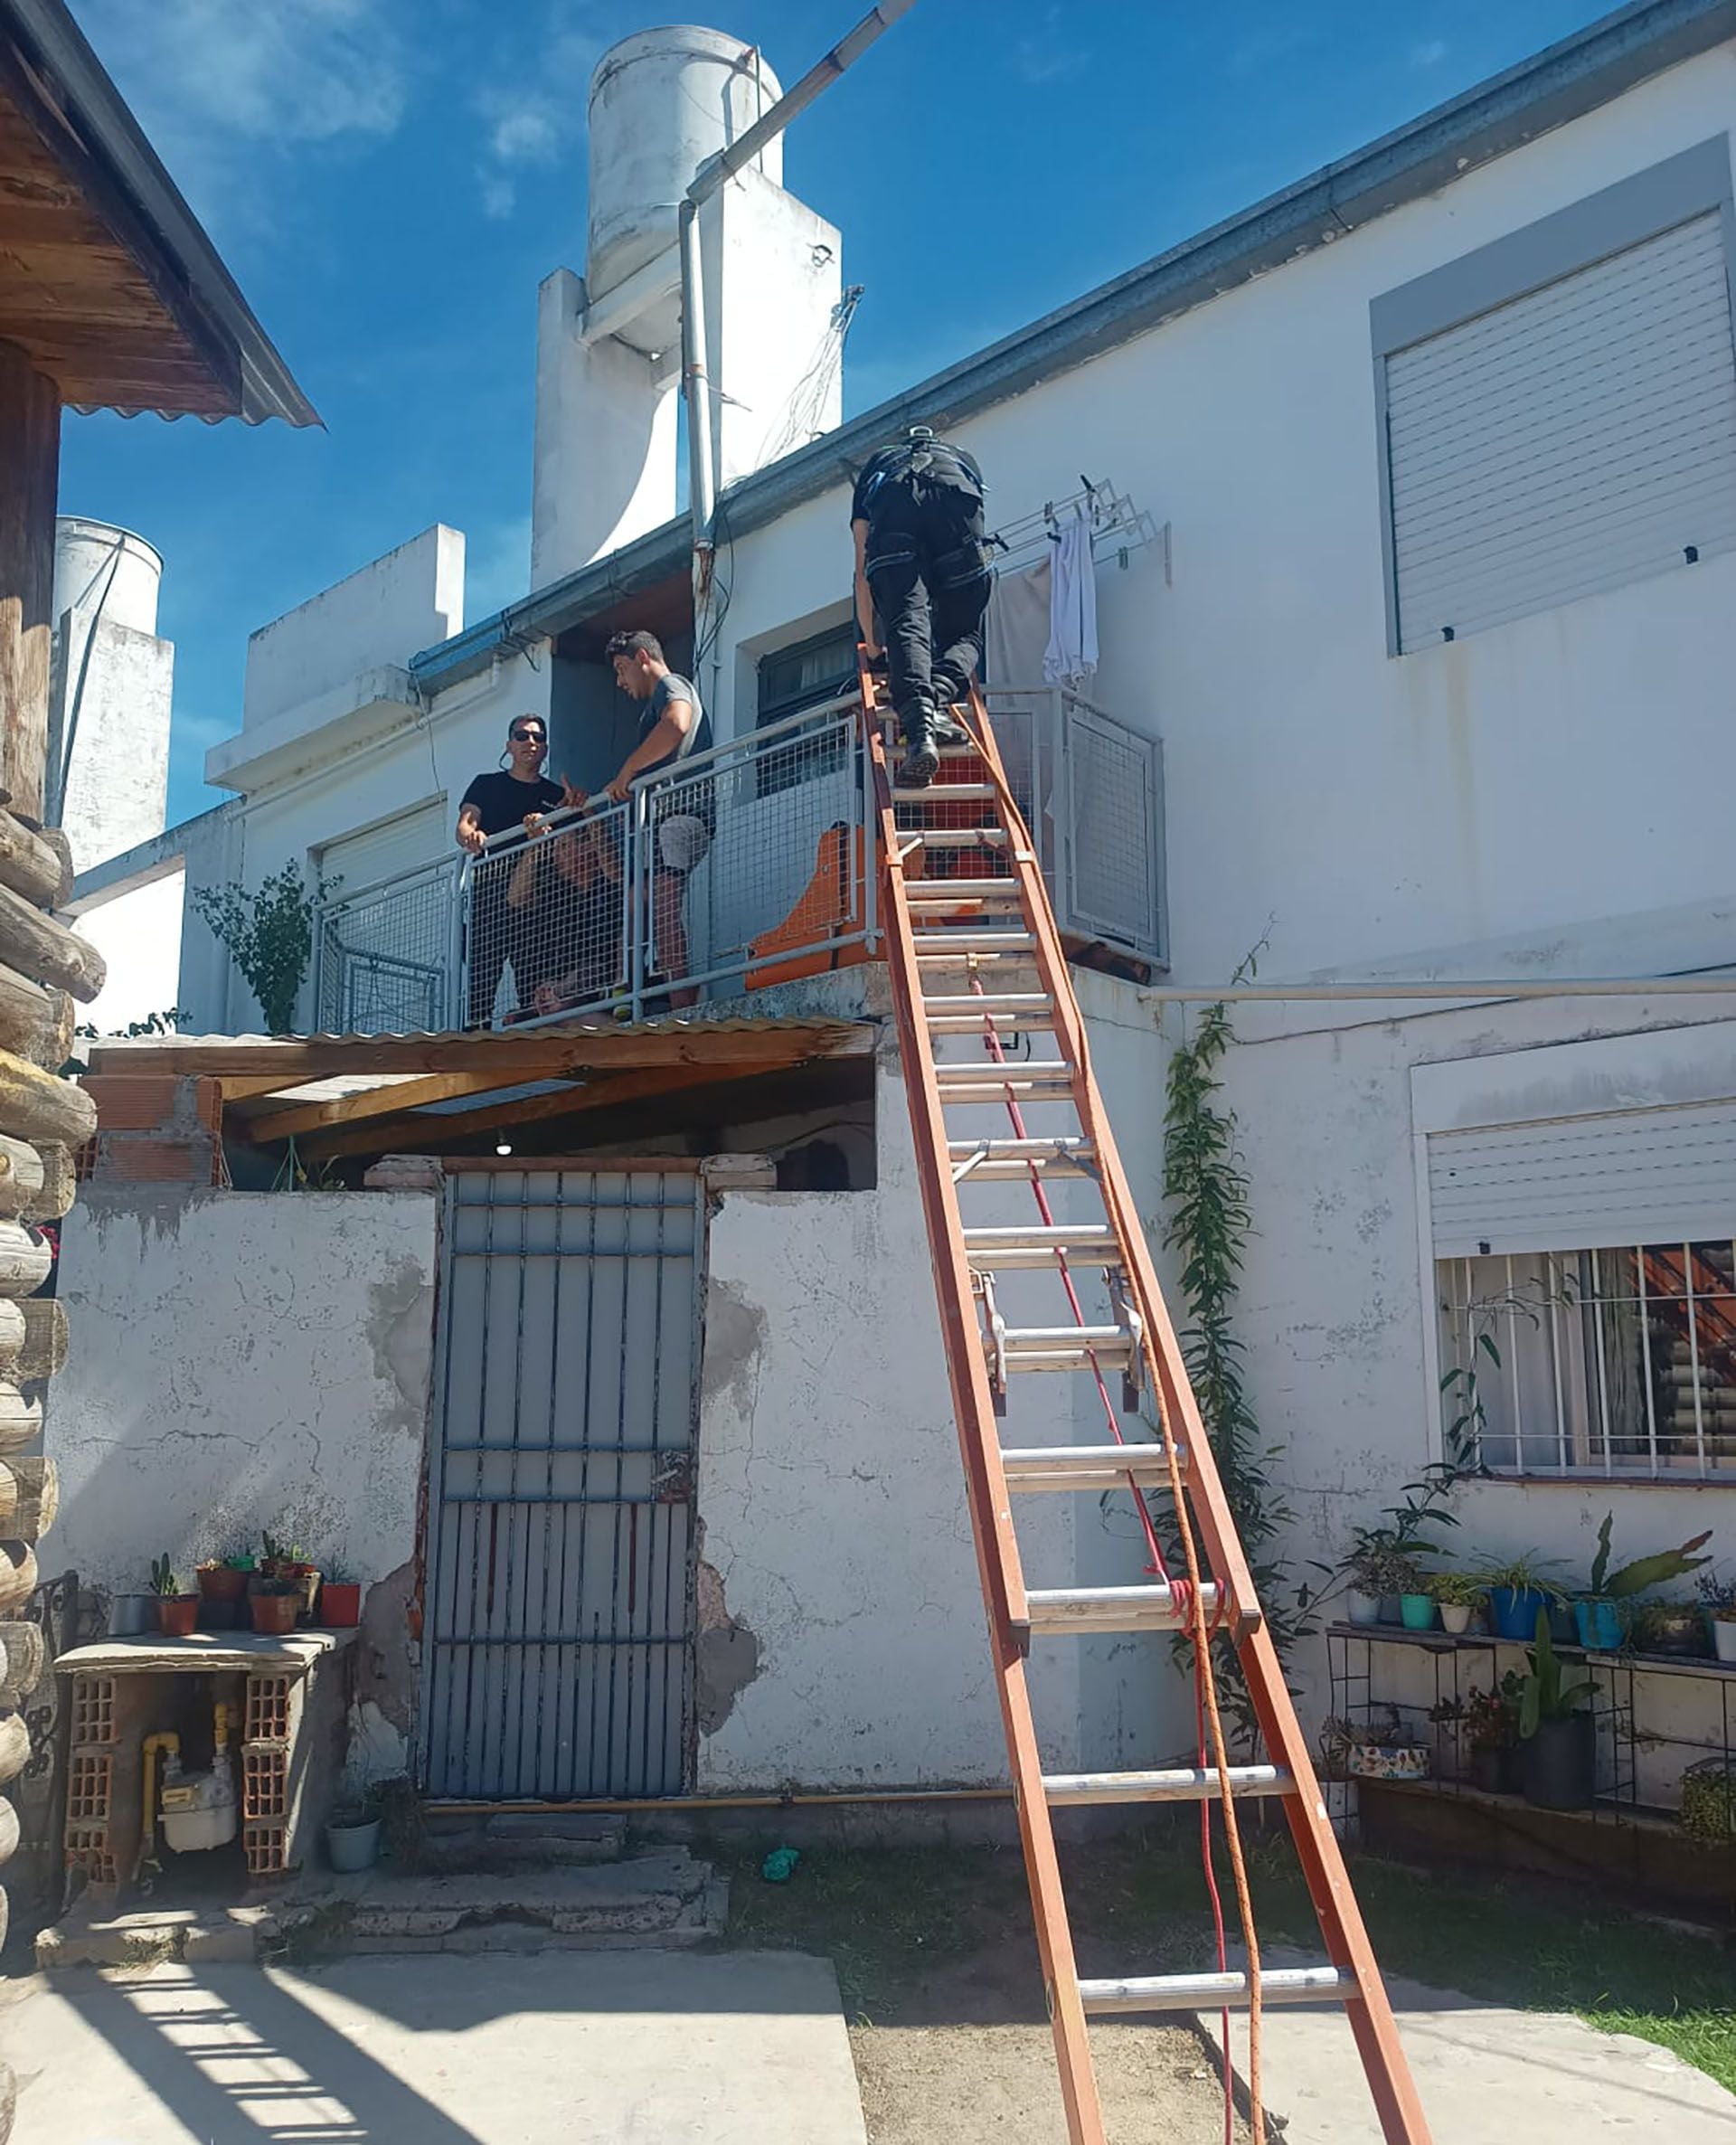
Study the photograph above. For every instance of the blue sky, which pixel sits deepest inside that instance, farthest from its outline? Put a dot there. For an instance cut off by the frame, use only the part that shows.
(388, 180)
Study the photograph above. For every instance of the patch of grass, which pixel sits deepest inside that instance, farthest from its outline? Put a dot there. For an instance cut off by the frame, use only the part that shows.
(886, 1917)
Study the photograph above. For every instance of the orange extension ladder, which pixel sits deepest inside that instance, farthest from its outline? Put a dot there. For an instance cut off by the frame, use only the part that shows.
(994, 939)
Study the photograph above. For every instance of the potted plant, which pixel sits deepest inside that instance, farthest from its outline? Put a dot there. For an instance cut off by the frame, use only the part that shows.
(1669, 1626)
(275, 1603)
(1604, 1611)
(1373, 1573)
(1557, 1736)
(1383, 1748)
(281, 1559)
(340, 1602)
(1718, 1598)
(1491, 1731)
(1458, 1595)
(1517, 1589)
(223, 1588)
(1416, 1602)
(353, 1834)
(176, 1613)
(1709, 1801)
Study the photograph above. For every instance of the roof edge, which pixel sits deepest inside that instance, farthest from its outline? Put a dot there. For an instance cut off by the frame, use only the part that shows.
(63, 52)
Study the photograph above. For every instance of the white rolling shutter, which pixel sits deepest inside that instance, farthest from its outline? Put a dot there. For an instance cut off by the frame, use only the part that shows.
(1575, 439)
(1592, 1182)
(418, 837)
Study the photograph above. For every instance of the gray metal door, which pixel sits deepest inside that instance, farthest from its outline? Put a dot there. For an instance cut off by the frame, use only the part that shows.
(560, 1612)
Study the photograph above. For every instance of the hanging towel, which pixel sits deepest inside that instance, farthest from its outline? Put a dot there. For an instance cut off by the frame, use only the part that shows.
(1071, 655)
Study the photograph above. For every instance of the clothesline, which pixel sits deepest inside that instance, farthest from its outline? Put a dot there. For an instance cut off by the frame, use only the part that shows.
(1118, 527)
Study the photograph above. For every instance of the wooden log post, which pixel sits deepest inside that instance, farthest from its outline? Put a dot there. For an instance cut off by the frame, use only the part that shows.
(21, 1422)
(23, 1656)
(35, 1024)
(42, 1349)
(37, 865)
(60, 1184)
(24, 1260)
(21, 1178)
(17, 1577)
(36, 1491)
(29, 455)
(35, 945)
(34, 1106)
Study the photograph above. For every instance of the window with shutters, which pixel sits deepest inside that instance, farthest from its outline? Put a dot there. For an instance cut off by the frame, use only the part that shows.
(1559, 409)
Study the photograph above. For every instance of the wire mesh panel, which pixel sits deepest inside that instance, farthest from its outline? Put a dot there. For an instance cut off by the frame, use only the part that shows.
(548, 919)
(561, 1558)
(384, 955)
(1113, 883)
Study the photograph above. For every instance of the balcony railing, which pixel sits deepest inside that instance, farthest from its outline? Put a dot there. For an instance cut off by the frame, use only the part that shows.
(741, 868)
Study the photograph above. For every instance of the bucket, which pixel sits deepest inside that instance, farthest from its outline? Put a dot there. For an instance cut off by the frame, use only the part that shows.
(352, 1846)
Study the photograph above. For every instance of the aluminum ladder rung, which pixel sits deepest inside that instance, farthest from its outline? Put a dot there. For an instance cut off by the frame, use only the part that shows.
(979, 1024)
(957, 837)
(974, 1162)
(1021, 1151)
(1082, 1467)
(1189, 1783)
(998, 1087)
(955, 945)
(1215, 1992)
(1081, 1243)
(947, 793)
(926, 893)
(987, 1001)
(975, 1072)
(1059, 1611)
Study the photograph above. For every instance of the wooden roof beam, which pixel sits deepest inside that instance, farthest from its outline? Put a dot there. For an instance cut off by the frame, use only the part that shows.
(297, 1120)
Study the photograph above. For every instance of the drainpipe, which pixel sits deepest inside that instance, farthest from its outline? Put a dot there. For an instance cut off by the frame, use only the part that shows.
(702, 467)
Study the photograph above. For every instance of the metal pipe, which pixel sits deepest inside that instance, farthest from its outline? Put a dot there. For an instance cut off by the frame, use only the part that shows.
(169, 1742)
(840, 1799)
(822, 75)
(1697, 984)
(702, 482)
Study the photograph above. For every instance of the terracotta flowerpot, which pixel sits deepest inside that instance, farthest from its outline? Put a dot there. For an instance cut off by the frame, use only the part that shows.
(274, 1615)
(222, 1583)
(340, 1604)
(176, 1615)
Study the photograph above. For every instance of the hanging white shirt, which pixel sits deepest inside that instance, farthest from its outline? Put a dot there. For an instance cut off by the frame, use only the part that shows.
(1071, 654)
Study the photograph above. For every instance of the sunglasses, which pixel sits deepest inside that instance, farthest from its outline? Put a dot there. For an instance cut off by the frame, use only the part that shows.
(528, 737)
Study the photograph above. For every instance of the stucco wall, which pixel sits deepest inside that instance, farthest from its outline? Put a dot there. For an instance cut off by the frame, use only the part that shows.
(841, 1639)
(243, 1361)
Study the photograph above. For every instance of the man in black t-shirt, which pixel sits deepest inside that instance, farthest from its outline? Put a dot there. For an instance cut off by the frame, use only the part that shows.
(922, 566)
(672, 727)
(493, 804)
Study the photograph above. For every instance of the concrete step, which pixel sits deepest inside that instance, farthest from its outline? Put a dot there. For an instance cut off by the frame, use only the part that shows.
(661, 1901)
(519, 1840)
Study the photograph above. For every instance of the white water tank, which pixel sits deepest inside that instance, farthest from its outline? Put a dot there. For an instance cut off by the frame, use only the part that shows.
(96, 562)
(662, 102)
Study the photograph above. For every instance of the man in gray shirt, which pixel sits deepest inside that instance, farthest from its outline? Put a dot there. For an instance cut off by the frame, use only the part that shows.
(672, 727)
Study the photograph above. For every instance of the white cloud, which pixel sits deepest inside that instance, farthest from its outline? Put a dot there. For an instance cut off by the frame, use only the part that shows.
(536, 117)
(1431, 54)
(283, 71)
(217, 84)
(1048, 57)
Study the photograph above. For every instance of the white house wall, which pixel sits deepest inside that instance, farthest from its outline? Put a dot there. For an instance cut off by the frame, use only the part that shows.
(245, 1361)
(1367, 807)
(138, 934)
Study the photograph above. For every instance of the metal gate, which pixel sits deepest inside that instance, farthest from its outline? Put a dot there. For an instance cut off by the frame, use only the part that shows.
(560, 1610)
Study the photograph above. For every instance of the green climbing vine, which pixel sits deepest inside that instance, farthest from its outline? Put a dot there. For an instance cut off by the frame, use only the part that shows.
(1210, 1220)
(269, 932)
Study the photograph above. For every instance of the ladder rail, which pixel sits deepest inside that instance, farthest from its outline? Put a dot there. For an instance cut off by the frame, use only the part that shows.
(997, 1557)
(1368, 2008)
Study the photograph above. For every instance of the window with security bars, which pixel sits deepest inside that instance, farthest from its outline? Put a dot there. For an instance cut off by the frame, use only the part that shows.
(805, 674)
(1615, 1363)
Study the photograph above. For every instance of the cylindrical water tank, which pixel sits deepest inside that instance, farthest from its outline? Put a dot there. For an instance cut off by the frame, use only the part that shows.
(94, 563)
(662, 102)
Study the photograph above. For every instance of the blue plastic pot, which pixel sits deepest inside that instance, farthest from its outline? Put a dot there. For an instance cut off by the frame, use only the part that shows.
(1514, 1610)
(1418, 1611)
(1602, 1625)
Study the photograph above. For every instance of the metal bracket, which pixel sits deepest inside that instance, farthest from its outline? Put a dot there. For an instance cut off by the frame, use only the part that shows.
(1133, 1378)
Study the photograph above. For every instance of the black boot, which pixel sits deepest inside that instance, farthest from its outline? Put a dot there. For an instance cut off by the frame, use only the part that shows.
(922, 750)
(948, 730)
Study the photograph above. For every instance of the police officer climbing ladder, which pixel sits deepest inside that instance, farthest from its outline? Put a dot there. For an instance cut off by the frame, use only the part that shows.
(922, 585)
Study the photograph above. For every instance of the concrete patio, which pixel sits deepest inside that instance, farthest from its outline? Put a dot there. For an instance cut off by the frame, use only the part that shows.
(744, 2048)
